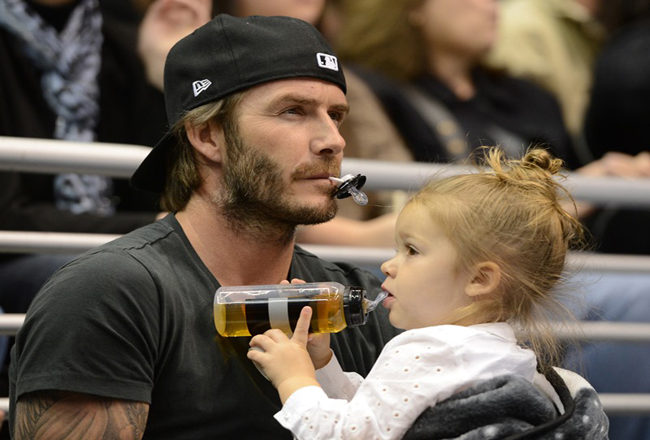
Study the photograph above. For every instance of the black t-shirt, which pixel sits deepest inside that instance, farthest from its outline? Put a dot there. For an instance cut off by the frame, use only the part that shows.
(133, 319)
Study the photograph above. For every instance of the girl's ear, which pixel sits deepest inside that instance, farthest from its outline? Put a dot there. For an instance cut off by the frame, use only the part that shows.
(207, 139)
(484, 279)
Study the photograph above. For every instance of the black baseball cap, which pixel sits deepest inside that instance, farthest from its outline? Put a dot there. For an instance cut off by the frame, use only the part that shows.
(230, 54)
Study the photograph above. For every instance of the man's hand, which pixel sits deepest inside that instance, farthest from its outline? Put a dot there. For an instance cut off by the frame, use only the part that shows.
(285, 361)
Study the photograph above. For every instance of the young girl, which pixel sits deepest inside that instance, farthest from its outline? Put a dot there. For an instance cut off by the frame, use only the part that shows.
(478, 261)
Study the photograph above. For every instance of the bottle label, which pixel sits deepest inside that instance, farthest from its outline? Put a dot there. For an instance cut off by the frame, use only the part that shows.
(279, 314)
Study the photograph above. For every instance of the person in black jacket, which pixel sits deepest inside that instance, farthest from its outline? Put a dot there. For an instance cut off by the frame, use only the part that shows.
(70, 70)
(616, 120)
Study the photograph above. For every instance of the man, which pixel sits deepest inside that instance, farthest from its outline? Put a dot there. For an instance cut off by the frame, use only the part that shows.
(121, 342)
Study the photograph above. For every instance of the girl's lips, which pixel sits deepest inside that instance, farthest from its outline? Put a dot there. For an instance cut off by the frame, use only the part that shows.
(388, 301)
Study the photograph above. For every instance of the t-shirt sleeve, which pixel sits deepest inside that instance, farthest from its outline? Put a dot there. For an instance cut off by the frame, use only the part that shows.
(92, 329)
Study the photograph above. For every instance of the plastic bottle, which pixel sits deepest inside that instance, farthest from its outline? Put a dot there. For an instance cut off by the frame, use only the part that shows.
(251, 310)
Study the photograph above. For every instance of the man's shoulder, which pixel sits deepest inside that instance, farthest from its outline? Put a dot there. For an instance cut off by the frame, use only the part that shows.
(149, 238)
(128, 253)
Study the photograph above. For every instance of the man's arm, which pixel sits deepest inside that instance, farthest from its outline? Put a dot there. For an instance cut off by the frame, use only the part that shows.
(59, 414)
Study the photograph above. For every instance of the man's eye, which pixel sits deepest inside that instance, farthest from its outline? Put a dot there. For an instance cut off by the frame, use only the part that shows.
(336, 116)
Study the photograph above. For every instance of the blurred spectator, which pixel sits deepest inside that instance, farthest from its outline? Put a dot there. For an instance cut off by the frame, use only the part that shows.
(553, 43)
(620, 97)
(617, 116)
(424, 60)
(69, 70)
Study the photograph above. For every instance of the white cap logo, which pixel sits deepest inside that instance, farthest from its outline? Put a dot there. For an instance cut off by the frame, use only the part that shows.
(199, 86)
(326, 61)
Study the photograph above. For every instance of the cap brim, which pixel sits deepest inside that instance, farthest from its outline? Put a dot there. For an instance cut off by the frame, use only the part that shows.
(151, 174)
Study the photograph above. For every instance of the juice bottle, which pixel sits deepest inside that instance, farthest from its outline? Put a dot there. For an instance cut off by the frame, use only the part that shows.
(251, 310)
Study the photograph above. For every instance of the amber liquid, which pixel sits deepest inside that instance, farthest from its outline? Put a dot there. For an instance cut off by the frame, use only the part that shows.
(249, 319)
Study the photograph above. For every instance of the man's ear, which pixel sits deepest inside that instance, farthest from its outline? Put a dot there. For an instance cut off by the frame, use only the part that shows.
(208, 139)
(484, 279)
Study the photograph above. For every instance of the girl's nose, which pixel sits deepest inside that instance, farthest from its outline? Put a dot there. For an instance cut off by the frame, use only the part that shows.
(387, 268)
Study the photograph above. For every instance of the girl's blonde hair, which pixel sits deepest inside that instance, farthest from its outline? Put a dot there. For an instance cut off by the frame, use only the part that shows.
(512, 214)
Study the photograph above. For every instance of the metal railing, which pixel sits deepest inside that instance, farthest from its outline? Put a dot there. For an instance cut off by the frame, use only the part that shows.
(120, 160)
(75, 243)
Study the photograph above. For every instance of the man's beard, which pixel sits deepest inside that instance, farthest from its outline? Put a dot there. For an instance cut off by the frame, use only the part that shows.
(254, 198)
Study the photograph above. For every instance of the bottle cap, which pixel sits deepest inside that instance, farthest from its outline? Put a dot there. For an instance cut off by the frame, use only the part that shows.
(353, 306)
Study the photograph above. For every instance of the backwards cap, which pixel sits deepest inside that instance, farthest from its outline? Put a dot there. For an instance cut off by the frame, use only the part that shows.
(230, 54)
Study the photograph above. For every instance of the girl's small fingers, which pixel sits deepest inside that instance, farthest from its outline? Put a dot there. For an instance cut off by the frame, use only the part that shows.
(254, 353)
(275, 335)
(256, 341)
(301, 333)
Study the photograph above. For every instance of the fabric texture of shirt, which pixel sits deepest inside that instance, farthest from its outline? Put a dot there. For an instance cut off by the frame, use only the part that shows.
(415, 370)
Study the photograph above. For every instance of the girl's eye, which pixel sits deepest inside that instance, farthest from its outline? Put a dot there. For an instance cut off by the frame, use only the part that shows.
(410, 250)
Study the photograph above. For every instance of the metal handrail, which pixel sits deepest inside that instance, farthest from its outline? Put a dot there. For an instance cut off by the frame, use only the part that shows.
(596, 331)
(75, 243)
(613, 404)
(120, 160)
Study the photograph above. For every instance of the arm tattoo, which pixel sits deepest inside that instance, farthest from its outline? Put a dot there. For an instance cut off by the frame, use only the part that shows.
(59, 414)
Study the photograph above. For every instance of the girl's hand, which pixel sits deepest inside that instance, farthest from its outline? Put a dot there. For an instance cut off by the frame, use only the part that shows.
(318, 345)
(285, 361)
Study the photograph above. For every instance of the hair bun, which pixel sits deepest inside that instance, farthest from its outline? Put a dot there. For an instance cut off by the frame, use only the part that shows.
(540, 158)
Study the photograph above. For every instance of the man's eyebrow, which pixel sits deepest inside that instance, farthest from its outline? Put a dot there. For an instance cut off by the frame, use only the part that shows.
(343, 108)
(302, 100)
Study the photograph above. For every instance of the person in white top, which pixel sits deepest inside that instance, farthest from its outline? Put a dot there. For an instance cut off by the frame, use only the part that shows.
(475, 285)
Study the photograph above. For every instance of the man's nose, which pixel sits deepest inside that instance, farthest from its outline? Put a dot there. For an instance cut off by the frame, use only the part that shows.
(328, 139)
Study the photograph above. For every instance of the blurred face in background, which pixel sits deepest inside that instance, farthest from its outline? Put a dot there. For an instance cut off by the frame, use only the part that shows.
(307, 10)
(466, 27)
